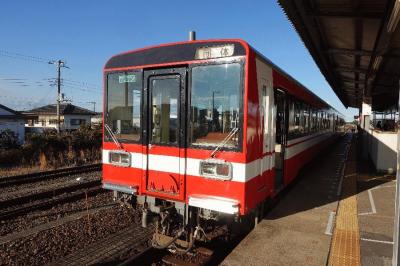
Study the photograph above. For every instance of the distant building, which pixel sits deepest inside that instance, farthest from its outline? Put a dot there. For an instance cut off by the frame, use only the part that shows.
(71, 116)
(14, 121)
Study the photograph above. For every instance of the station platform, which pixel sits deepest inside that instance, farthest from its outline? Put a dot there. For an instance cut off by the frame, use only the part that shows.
(327, 217)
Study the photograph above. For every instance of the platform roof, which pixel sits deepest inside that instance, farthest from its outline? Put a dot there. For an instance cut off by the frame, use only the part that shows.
(356, 45)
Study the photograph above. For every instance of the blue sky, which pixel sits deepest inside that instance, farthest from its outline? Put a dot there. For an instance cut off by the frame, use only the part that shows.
(86, 33)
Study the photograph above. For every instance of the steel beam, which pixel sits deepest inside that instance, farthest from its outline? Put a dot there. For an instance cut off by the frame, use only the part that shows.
(351, 69)
(348, 14)
(349, 51)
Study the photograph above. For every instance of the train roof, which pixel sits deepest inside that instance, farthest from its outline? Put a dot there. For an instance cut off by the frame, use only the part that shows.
(168, 53)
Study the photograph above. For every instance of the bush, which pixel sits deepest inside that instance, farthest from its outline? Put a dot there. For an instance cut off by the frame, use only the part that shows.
(51, 149)
(11, 157)
(8, 140)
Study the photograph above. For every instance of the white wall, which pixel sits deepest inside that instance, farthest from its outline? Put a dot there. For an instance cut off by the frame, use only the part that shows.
(15, 125)
(67, 121)
(383, 150)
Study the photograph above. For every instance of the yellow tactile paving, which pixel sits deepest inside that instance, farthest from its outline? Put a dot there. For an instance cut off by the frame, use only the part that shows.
(345, 246)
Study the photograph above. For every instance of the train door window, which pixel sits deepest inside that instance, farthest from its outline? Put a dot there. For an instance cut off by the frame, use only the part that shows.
(164, 110)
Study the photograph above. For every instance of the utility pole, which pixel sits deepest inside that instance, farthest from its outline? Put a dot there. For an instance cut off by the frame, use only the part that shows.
(59, 64)
(94, 106)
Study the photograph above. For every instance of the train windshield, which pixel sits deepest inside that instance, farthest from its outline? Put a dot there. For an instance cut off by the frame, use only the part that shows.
(216, 95)
(123, 113)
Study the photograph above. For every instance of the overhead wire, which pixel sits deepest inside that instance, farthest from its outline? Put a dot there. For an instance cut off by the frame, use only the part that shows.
(24, 57)
(24, 82)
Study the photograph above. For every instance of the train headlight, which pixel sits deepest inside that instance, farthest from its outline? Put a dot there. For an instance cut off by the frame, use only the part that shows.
(120, 158)
(216, 169)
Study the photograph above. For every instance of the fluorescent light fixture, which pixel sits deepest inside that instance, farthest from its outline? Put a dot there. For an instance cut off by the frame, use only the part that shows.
(394, 17)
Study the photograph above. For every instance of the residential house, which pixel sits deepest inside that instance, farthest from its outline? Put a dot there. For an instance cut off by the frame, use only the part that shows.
(14, 121)
(71, 116)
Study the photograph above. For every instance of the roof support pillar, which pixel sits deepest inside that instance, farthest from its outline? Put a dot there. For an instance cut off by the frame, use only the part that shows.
(366, 112)
(396, 231)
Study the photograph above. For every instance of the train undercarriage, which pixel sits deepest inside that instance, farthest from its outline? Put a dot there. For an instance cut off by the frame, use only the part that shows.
(187, 230)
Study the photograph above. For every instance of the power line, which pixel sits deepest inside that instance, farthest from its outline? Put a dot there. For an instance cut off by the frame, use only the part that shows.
(81, 89)
(53, 82)
(81, 86)
(83, 83)
(24, 57)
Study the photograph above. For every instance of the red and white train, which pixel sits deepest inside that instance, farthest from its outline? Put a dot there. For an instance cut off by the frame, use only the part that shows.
(199, 131)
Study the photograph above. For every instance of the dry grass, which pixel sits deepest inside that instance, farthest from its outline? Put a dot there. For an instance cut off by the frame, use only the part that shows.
(20, 170)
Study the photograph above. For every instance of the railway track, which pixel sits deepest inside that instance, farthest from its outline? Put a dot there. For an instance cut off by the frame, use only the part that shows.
(71, 217)
(47, 203)
(21, 201)
(48, 192)
(47, 175)
(133, 239)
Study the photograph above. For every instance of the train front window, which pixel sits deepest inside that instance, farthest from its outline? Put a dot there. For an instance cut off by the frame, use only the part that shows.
(216, 95)
(123, 114)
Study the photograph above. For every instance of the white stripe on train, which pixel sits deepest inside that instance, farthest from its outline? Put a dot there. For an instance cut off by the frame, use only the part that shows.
(241, 172)
(302, 146)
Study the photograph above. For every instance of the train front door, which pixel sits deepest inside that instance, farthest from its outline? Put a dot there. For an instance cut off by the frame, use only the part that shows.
(165, 94)
(281, 137)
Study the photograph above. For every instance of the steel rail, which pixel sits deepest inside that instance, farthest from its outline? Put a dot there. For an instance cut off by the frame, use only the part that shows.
(49, 193)
(51, 174)
(73, 196)
(108, 250)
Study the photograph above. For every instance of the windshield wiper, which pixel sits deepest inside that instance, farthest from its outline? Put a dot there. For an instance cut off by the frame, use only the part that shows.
(224, 141)
(112, 135)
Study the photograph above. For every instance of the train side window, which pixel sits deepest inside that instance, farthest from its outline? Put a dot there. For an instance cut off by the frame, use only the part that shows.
(300, 119)
(306, 115)
(297, 119)
(313, 119)
(291, 119)
(265, 106)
